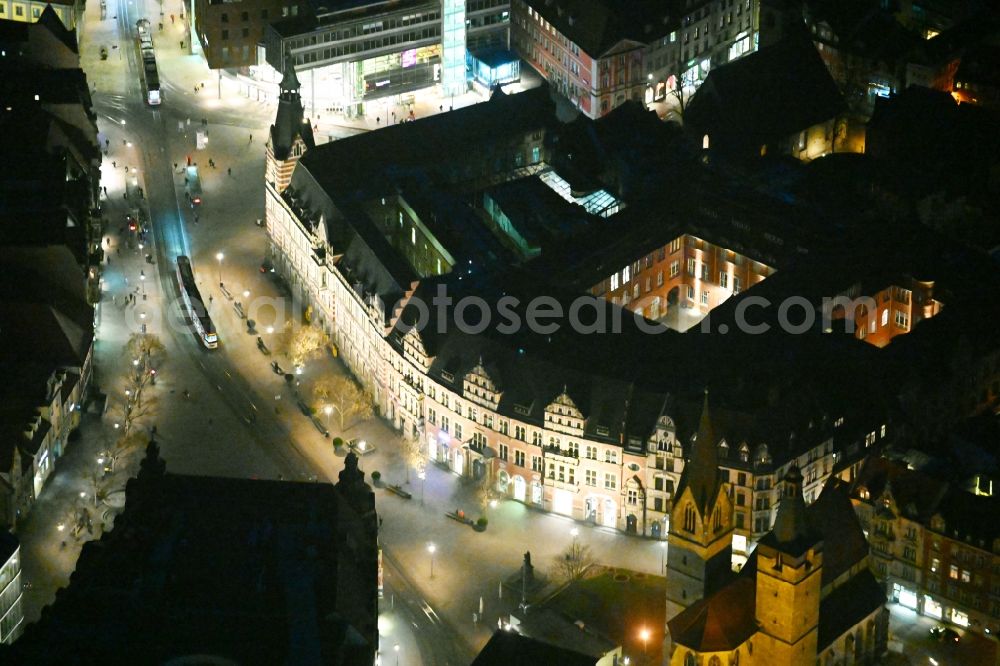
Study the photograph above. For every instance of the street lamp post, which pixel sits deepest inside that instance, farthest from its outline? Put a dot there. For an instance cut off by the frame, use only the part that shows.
(219, 256)
(663, 551)
(644, 637)
(142, 281)
(395, 649)
(328, 410)
(423, 475)
(431, 548)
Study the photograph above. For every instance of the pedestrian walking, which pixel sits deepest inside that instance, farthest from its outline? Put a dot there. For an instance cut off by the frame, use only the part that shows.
(119, 252)
(171, 19)
(105, 190)
(125, 194)
(210, 299)
(229, 171)
(114, 163)
(107, 239)
(107, 144)
(251, 138)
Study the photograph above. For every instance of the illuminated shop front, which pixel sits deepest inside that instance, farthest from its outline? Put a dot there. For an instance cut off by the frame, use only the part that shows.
(402, 72)
(932, 608)
(904, 596)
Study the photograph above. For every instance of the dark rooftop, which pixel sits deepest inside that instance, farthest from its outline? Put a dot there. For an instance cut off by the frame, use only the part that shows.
(245, 570)
(761, 98)
(598, 25)
(508, 648)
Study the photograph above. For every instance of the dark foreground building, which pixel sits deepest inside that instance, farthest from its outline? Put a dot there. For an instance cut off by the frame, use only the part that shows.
(228, 570)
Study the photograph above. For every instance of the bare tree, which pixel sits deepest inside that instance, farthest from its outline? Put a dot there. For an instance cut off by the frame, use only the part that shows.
(146, 351)
(127, 444)
(684, 81)
(412, 456)
(146, 346)
(345, 397)
(573, 562)
(483, 491)
(299, 343)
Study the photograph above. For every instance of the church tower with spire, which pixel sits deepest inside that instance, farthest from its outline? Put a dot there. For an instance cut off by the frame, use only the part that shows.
(699, 543)
(291, 134)
(789, 582)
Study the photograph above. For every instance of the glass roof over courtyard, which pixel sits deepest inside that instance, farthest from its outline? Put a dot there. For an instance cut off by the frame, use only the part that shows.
(599, 202)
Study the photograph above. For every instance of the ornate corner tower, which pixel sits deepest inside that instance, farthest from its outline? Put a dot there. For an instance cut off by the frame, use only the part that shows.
(291, 134)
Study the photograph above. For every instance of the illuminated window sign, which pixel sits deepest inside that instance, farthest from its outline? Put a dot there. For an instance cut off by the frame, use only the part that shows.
(409, 58)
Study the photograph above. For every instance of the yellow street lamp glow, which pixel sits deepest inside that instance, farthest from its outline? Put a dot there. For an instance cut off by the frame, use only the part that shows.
(328, 410)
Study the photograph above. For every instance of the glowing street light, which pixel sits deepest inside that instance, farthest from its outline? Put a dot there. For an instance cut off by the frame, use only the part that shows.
(270, 330)
(219, 256)
(395, 649)
(431, 548)
(328, 410)
(246, 293)
(644, 637)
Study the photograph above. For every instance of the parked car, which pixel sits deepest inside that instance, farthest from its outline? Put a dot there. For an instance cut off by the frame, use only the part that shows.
(945, 634)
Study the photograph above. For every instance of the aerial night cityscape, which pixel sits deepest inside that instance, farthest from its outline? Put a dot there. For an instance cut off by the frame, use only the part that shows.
(500, 332)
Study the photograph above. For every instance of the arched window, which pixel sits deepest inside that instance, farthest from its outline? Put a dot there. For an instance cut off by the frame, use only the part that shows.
(714, 661)
(689, 518)
(689, 659)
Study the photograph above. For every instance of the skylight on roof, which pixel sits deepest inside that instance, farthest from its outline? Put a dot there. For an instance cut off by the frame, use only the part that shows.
(600, 202)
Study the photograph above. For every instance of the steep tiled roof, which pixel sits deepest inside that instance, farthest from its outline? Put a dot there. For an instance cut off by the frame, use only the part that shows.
(847, 605)
(765, 96)
(598, 25)
(832, 516)
(721, 622)
(507, 648)
(916, 494)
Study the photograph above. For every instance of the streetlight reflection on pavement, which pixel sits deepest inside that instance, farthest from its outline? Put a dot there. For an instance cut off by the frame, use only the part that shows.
(431, 548)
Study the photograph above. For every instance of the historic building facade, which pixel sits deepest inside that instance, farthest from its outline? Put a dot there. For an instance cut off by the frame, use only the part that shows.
(564, 440)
